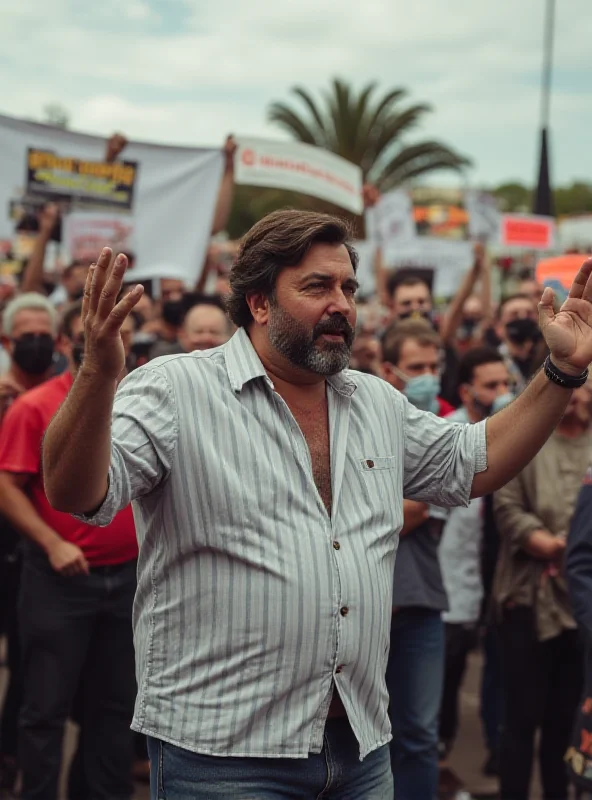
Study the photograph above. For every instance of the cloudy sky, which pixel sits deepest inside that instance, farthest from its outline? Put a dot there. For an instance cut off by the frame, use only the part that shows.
(190, 71)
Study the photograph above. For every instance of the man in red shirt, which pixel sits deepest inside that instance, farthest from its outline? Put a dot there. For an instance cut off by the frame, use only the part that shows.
(75, 607)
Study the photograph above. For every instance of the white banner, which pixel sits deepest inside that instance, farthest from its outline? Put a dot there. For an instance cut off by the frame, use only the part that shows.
(166, 195)
(299, 168)
(391, 219)
(450, 260)
(484, 216)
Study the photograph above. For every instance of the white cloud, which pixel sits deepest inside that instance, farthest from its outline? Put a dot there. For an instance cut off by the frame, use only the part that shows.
(192, 78)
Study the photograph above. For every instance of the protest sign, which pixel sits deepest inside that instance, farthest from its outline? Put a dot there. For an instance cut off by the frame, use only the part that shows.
(86, 233)
(166, 195)
(528, 231)
(391, 219)
(484, 216)
(562, 269)
(56, 177)
(441, 221)
(448, 259)
(299, 168)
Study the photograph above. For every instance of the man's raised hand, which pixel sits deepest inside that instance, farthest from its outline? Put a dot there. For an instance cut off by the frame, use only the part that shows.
(568, 333)
(103, 316)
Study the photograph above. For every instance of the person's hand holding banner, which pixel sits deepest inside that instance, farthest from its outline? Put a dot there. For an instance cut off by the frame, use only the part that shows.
(116, 144)
(229, 150)
(48, 217)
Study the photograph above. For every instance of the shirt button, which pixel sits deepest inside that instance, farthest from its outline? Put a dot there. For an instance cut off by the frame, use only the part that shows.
(339, 669)
(369, 463)
(336, 546)
(344, 611)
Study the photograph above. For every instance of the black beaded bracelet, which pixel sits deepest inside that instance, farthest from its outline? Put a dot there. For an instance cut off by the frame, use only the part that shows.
(562, 378)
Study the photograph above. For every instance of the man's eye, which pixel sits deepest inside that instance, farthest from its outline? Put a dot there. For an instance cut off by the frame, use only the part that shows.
(351, 290)
(315, 286)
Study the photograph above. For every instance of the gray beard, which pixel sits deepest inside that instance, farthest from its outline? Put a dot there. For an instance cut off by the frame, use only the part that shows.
(293, 341)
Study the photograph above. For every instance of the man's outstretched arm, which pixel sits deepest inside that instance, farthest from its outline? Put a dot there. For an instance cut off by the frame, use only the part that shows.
(77, 445)
(516, 434)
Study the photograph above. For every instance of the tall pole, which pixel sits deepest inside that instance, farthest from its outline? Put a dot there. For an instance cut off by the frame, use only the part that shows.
(543, 198)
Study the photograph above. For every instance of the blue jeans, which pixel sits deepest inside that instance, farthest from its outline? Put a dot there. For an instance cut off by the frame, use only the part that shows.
(414, 678)
(336, 773)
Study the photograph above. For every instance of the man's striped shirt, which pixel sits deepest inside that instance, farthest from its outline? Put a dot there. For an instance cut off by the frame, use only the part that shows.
(253, 603)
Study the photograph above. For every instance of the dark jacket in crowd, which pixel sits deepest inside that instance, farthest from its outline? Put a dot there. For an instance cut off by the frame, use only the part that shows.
(578, 568)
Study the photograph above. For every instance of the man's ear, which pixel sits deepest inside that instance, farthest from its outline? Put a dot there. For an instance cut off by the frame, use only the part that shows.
(464, 393)
(388, 374)
(63, 345)
(259, 306)
(6, 343)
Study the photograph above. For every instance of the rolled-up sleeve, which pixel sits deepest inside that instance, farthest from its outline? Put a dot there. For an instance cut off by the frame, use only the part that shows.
(441, 458)
(143, 440)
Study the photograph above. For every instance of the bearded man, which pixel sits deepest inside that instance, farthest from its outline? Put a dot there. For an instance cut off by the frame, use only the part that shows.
(267, 482)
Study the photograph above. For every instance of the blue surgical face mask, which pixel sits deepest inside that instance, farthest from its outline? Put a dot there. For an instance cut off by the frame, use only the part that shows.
(422, 392)
(501, 402)
(486, 410)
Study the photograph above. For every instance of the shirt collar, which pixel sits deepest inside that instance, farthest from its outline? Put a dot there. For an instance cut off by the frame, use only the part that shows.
(244, 365)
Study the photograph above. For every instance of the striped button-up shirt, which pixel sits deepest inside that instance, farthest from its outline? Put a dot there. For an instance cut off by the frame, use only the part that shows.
(253, 603)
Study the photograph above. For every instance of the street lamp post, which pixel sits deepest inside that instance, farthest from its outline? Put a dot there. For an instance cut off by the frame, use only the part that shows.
(543, 198)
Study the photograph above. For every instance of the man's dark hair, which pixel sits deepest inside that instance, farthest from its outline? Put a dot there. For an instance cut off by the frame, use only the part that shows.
(281, 239)
(395, 336)
(406, 277)
(475, 358)
(69, 268)
(73, 311)
(508, 299)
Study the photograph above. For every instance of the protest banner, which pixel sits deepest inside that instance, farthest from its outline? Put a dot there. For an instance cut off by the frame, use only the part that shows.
(527, 231)
(167, 195)
(448, 259)
(484, 216)
(299, 168)
(391, 219)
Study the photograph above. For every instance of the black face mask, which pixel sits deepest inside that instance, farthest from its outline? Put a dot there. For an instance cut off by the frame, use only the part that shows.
(33, 353)
(524, 330)
(467, 329)
(173, 311)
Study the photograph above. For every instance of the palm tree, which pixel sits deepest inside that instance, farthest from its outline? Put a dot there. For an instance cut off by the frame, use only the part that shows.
(368, 131)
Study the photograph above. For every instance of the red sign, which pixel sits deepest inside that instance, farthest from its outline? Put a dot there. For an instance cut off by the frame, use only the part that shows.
(528, 231)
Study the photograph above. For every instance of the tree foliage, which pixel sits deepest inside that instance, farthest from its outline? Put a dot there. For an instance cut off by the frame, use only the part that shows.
(368, 129)
(573, 199)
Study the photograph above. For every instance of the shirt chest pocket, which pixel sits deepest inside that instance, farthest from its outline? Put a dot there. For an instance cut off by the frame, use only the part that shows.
(378, 463)
(381, 483)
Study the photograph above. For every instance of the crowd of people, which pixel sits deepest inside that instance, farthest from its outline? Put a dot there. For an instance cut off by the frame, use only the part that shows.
(508, 573)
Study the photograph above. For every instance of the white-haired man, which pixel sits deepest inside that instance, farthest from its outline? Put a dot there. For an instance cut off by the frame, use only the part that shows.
(29, 330)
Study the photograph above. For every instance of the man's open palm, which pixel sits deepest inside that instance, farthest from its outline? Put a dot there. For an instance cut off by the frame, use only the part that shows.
(103, 316)
(569, 332)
